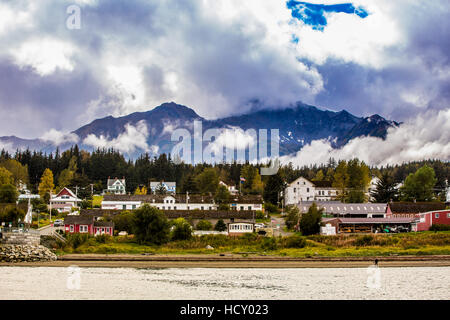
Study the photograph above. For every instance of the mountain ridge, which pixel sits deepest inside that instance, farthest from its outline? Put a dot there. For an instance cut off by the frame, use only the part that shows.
(299, 124)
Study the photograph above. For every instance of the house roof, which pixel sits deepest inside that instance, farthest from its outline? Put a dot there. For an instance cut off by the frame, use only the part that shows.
(375, 220)
(169, 184)
(334, 207)
(102, 223)
(112, 181)
(65, 191)
(181, 198)
(79, 219)
(415, 207)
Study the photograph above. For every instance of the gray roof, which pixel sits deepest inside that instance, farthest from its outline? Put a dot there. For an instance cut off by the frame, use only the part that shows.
(112, 181)
(345, 208)
(375, 220)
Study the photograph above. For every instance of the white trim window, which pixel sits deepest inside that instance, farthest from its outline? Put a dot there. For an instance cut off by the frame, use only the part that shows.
(436, 215)
(72, 228)
(83, 228)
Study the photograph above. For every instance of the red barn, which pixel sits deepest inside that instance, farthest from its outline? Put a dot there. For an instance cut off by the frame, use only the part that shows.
(427, 219)
(88, 224)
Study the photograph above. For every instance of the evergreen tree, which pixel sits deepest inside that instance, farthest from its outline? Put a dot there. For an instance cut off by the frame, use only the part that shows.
(274, 186)
(310, 222)
(220, 226)
(385, 190)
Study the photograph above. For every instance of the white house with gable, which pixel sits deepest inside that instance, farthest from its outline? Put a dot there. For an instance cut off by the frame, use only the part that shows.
(116, 186)
(304, 190)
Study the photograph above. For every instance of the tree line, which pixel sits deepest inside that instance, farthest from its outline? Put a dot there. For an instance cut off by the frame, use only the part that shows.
(89, 171)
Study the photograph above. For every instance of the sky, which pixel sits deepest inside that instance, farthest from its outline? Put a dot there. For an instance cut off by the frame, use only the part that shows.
(217, 56)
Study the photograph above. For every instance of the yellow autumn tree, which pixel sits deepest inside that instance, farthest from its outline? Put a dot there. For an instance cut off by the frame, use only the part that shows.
(46, 185)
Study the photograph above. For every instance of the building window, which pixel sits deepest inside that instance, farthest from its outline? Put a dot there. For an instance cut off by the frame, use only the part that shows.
(307, 190)
(71, 228)
(133, 206)
(124, 207)
(175, 208)
(83, 229)
(436, 215)
(249, 207)
(448, 215)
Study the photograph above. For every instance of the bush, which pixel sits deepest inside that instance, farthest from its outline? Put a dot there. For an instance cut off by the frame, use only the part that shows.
(260, 215)
(271, 208)
(204, 225)
(292, 217)
(150, 225)
(295, 242)
(182, 230)
(364, 241)
(75, 240)
(220, 226)
(269, 244)
(124, 222)
(103, 238)
(440, 227)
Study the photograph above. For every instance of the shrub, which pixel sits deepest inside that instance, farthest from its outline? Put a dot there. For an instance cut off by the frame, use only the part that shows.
(150, 225)
(182, 230)
(204, 225)
(364, 241)
(440, 227)
(75, 240)
(103, 238)
(295, 242)
(310, 222)
(220, 226)
(269, 244)
(260, 215)
(271, 208)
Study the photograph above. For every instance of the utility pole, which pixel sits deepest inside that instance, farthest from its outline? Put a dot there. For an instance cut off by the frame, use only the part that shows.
(50, 206)
(76, 196)
(92, 189)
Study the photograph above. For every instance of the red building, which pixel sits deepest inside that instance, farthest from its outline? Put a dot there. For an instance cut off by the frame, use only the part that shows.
(88, 224)
(427, 219)
(412, 209)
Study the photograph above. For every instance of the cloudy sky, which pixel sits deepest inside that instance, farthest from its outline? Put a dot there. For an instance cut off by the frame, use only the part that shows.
(215, 56)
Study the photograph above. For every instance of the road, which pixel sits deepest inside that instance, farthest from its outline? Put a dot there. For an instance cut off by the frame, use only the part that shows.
(48, 230)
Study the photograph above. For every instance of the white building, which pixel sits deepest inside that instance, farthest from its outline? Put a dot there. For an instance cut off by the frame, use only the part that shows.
(116, 186)
(64, 201)
(170, 187)
(231, 189)
(178, 202)
(304, 190)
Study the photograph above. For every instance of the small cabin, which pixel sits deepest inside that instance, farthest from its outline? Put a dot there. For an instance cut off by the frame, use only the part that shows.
(239, 228)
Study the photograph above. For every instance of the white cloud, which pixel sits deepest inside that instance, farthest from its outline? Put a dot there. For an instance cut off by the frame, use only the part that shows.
(58, 137)
(234, 138)
(426, 137)
(45, 55)
(133, 139)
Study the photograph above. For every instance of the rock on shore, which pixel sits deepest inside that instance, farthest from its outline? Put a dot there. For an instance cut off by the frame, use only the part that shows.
(25, 253)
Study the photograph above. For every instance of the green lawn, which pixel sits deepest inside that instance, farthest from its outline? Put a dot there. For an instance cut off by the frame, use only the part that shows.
(426, 243)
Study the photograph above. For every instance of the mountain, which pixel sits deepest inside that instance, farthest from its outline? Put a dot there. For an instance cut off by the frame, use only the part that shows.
(298, 125)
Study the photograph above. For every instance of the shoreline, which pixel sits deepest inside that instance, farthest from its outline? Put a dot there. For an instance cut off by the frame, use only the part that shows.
(232, 261)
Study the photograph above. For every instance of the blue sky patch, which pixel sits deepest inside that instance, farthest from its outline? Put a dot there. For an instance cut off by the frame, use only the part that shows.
(314, 14)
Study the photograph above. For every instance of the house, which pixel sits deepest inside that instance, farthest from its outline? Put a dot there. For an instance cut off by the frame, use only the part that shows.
(170, 187)
(231, 189)
(88, 224)
(427, 219)
(239, 228)
(348, 210)
(304, 190)
(178, 202)
(116, 186)
(412, 209)
(64, 201)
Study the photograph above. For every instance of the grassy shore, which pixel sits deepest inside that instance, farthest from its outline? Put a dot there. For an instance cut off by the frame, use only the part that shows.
(411, 244)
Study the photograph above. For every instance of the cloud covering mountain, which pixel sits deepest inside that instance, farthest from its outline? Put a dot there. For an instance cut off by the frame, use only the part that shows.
(369, 57)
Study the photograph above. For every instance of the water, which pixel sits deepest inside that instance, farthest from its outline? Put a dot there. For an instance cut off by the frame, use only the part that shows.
(30, 283)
